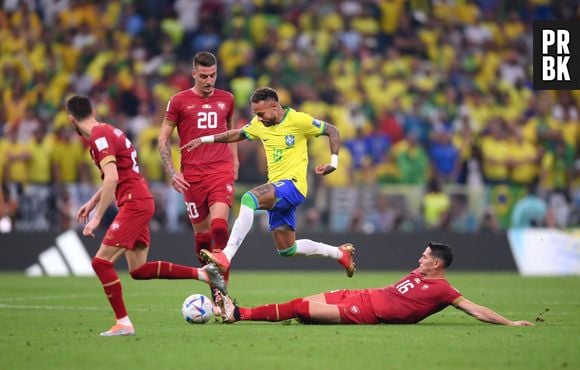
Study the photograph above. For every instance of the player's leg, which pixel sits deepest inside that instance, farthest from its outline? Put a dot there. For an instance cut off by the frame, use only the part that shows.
(103, 265)
(270, 312)
(198, 211)
(343, 253)
(261, 197)
(142, 270)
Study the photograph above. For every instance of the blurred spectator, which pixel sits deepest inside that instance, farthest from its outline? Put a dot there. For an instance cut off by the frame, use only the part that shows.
(530, 211)
(436, 205)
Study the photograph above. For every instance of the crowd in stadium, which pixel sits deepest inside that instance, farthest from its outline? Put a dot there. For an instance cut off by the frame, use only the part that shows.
(433, 100)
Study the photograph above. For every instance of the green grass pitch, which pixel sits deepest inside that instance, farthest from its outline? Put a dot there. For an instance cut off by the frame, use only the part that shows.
(53, 323)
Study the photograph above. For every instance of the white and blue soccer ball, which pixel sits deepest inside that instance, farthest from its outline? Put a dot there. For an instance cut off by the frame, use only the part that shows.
(197, 309)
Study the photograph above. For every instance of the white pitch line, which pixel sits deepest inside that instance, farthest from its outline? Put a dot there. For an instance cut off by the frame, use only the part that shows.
(70, 308)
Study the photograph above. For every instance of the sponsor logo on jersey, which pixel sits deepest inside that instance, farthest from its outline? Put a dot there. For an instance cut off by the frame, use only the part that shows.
(417, 280)
(206, 106)
(191, 106)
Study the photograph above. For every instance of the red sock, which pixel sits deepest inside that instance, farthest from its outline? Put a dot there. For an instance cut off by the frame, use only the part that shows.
(202, 241)
(271, 312)
(303, 312)
(164, 270)
(111, 284)
(219, 234)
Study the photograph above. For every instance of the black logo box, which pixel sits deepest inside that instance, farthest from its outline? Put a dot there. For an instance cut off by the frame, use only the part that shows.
(573, 64)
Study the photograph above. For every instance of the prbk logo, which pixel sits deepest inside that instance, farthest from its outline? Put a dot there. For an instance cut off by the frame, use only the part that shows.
(556, 55)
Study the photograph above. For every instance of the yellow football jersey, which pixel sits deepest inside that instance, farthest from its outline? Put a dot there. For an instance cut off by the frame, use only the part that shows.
(285, 145)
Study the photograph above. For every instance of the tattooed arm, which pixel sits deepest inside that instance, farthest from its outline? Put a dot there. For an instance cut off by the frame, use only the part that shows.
(177, 180)
(334, 141)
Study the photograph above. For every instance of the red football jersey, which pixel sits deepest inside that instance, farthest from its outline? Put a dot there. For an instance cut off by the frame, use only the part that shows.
(197, 116)
(110, 143)
(412, 299)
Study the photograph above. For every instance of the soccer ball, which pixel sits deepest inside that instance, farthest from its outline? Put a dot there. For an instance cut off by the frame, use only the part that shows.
(197, 309)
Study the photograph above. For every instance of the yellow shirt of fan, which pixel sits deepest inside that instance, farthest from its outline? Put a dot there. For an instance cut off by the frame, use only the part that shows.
(285, 145)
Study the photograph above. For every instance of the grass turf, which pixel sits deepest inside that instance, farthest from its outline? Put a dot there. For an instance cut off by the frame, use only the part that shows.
(53, 323)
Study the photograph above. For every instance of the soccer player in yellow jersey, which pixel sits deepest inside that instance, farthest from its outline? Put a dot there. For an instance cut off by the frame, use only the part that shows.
(284, 133)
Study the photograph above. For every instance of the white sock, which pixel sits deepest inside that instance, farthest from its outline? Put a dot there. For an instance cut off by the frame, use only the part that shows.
(309, 247)
(239, 231)
(202, 275)
(125, 321)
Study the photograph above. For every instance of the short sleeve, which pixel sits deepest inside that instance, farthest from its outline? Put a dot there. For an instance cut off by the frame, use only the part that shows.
(252, 129)
(311, 126)
(450, 294)
(102, 145)
(172, 110)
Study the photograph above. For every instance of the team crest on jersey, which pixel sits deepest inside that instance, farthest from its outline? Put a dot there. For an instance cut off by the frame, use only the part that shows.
(221, 105)
(191, 106)
(114, 226)
(206, 106)
(354, 309)
(425, 287)
(290, 140)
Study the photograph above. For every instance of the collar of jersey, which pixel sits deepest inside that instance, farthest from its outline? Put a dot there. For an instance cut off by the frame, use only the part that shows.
(285, 114)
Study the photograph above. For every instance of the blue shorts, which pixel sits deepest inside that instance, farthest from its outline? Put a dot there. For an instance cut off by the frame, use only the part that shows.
(284, 210)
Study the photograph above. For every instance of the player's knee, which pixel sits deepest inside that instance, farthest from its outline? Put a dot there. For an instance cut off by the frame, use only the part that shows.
(140, 273)
(303, 312)
(100, 265)
(250, 200)
(288, 252)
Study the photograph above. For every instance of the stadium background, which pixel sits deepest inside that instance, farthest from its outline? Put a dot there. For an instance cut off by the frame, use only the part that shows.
(440, 127)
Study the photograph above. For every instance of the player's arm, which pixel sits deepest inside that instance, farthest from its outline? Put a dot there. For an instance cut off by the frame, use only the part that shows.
(107, 190)
(234, 149)
(334, 141)
(230, 136)
(485, 314)
(164, 145)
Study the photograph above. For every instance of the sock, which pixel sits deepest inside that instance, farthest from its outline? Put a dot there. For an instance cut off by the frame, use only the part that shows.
(125, 321)
(111, 284)
(303, 312)
(219, 233)
(167, 270)
(270, 312)
(240, 229)
(202, 241)
(309, 247)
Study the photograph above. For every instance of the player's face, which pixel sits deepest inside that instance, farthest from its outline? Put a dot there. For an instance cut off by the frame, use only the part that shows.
(427, 262)
(266, 112)
(205, 78)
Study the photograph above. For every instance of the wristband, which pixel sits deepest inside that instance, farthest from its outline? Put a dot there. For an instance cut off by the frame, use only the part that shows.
(334, 160)
(207, 139)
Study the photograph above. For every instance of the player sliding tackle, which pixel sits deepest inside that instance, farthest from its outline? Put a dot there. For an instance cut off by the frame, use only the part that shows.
(422, 293)
(284, 133)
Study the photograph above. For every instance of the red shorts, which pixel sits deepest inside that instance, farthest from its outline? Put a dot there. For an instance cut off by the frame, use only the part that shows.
(354, 306)
(131, 225)
(200, 195)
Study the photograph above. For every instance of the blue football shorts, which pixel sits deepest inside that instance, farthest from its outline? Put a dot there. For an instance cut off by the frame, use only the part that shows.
(288, 197)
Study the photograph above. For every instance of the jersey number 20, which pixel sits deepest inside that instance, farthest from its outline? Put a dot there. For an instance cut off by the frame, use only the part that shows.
(207, 119)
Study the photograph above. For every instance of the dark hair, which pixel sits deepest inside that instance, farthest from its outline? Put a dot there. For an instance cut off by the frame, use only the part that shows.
(204, 59)
(264, 93)
(442, 252)
(79, 107)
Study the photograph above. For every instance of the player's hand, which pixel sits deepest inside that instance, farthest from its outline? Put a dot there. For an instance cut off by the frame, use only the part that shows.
(522, 323)
(89, 229)
(178, 182)
(191, 145)
(324, 169)
(84, 212)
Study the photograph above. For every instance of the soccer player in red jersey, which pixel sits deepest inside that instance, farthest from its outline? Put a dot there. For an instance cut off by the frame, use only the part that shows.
(422, 293)
(207, 174)
(129, 233)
